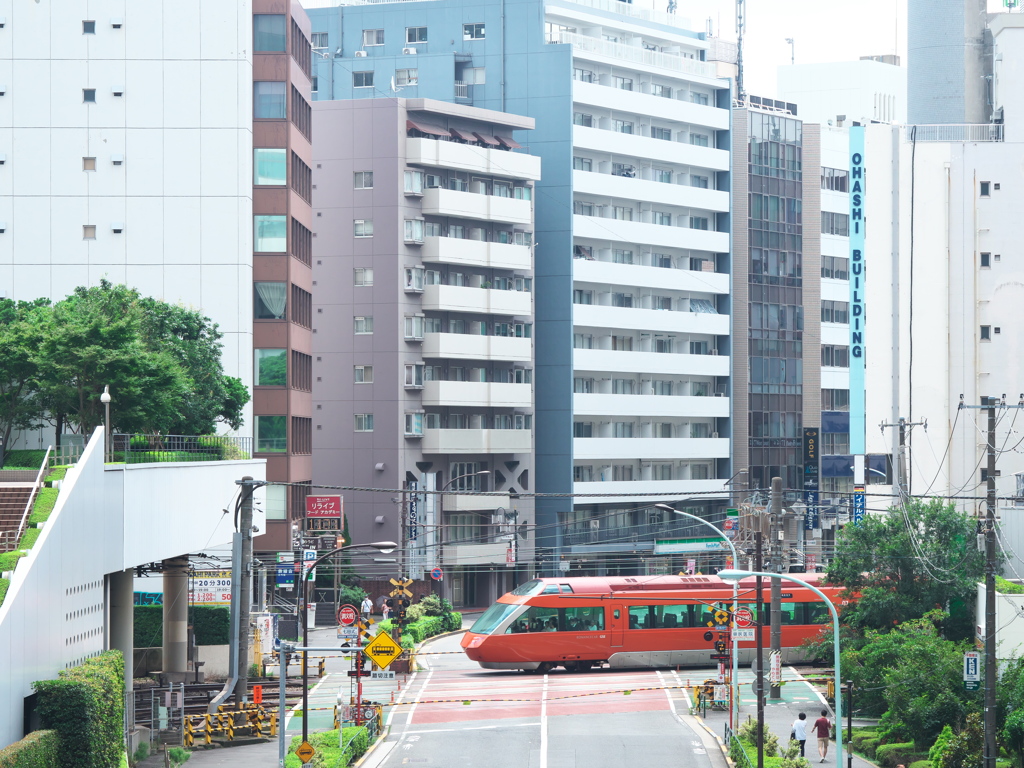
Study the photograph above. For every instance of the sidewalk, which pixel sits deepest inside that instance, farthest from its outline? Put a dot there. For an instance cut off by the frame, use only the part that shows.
(797, 696)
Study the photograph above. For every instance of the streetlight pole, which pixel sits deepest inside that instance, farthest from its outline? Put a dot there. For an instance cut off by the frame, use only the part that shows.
(440, 526)
(734, 710)
(382, 546)
(105, 399)
(735, 575)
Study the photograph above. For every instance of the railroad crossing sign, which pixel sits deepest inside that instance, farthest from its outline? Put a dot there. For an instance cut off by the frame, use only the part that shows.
(400, 588)
(721, 618)
(305, 752)
(347, 615)
(383, 649)
(744, 618)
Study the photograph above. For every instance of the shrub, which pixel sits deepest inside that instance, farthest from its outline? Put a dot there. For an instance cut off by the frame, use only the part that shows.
(28, 539)
(8, 560)
(935, 753)
(328, 752)
(352, 596)
(891, 755)
(212, 625)
(58, 473)
(428, 626)
(37, 750)
(141, 753)
(46, 499)
(921, 764)
(85, 705)
(748, 733)
(870, 745)
(178, 755)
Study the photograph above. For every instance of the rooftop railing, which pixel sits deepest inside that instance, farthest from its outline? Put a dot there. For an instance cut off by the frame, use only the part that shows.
(638, 55)
(148, 449)
(953, 132)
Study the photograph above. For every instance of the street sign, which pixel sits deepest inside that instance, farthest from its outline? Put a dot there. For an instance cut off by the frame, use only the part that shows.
(741, 634)
(324, 506)
(358, 673)
(775, 668)
(744, 618)
(972, 685)
(972, 667)
(305, 752)
(437, 574)
(379, 674)
(257, 694)
(210, 588)
(348, 633)
(383, 649)
(563, 566)
(347, 615)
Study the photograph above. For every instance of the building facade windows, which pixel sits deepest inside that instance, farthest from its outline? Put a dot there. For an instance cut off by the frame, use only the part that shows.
(362, 374)
(362, 228)
(270, 167)
(373, 37)
(88, 27)
(362, 180)
(269, 301)
(362, 276)
(362, 324)
(835, 224)
(270, 100)
(415, 34)
(89, 95)
(474, 31)
(835, 179)
(271, 368)
(270, 234)
(407, 77)
(271, 434)
(362, 79)
(363, 422)
(835, 356)
(269, 33)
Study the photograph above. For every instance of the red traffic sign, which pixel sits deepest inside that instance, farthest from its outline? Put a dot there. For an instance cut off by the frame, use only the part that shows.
(324, 506)
(437, 574)
(744, 618)
(347, 615)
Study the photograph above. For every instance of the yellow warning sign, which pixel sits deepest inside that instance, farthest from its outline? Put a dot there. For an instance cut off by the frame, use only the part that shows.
(305, 752)
(383, 649)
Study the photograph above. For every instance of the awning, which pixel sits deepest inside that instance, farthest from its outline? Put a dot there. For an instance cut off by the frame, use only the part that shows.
(412, 125)
(464, 135)
(488, 139)
(509, 142)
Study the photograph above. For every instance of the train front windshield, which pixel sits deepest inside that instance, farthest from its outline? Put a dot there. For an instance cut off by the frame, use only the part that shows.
(493, 617)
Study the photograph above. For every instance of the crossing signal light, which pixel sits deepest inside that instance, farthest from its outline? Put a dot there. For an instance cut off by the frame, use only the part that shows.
(709, 636)
(390, 603)
(720, 646)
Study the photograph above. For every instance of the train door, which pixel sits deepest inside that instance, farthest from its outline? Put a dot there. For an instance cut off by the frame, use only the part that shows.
(617, 626)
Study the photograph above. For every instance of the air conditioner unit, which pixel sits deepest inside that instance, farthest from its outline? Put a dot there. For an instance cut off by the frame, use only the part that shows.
(409, 51)
(360, 54)
(714, 435)
(713, 352)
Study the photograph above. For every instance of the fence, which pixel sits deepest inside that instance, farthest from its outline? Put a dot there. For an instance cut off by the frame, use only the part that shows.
(146, 449)
(961, 132)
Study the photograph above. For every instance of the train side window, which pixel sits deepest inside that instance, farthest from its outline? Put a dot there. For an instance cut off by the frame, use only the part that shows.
(566, 588)
(817, 613)
(583, 619)
(792, 613)
(640, 617)
(550, 589)
(616, 613)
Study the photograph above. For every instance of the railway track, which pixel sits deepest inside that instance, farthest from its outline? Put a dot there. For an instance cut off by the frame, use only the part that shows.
(199, 695)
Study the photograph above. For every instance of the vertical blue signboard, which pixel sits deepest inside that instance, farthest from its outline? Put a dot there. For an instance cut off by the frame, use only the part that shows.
(859, 503)
(857, 318)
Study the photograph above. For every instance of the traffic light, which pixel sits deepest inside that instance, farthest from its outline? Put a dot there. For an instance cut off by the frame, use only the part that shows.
(390, 603)
(402, 605)
(720, 646)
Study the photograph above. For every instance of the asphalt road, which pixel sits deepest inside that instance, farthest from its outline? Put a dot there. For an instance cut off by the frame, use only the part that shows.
(453, 713)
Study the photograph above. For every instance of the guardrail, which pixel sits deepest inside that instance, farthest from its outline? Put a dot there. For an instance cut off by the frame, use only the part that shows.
(44, 467)
(955, 132)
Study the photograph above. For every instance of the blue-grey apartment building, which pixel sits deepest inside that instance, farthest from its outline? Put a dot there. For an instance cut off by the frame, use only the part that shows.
(632, 313)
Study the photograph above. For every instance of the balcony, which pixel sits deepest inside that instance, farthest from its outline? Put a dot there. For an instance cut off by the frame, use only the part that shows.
(610, 273)
(477, 394)
(626, 318)
(661, 192)
(658, 489)
(605, 533)
(660, 150)
(477, 441)
(463, 346)
(481, 301)
(463, 157)
(650, 405)
(632, 448)
(476, 253)
(640, 103)
(471, 205)
(615, 53)
(649, 362)
(659, 235)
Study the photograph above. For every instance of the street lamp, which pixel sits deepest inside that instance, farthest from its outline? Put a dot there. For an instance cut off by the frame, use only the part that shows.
(441, 525)
(792, 50)
(105, 399)
(734, 576)
(386, 547)
(734, 710)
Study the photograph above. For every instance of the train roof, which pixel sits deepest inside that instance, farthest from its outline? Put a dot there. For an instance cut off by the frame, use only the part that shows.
(604, 584)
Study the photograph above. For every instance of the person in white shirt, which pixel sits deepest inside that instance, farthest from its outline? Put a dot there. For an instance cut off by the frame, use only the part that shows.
(800, 731)
(367, 607)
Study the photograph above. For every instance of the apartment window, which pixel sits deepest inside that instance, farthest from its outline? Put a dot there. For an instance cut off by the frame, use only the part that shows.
(582, 386)
(276, 501)
(622, 126)
(302, 371)
(269, 301)
(662, 175)
(362, 227)
(699, 222)
(414, 375)
(699, 98)
(584, 75)
(362, 276)
(415, 34)
(407, 77)
(662, 472)
(700, 348)
(88, 27)
(582, 341)
(473, 31)
(271, 367)
(582, 429)
(269, 100)
(268, 32)
(362, 324)
(664, 91)
(835, 443)
(986, 333)
(582, 118)
(414, 326)
(474, 75)
(583, 474)
(414, 230)
(623, 387)
(414, 182)
(372, 37)
(663, 346)
(318, 40)
(624, 83)
(622, 343)
(302, 113)
(835, 224)
(622, 429)
(621, 256)
(269, 167)
(271, 434)
(622, 300)
(835, 267)
(661, 260)
(835, 179)
(302, 178)
(986, 259)
(662, 429)
(363, 422)
(835, 399)
(270, 234)
(302, 243)
(699, 139)
(414, 278)
(661, 302)
(665, 134)
(582, 297)
(983, 188)
(701, 182)
(89, 95)
(362, 79)
(660, 217)
(362, 180)
(835, 311)
(835, 356)
(88, 163)
(583, 208)
(622, 473)
(622, 213)
(362, 374)
(414, 423)
(302, 307)
(700, 430)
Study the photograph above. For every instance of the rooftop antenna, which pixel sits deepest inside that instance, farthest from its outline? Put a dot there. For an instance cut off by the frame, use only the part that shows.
(740, 25)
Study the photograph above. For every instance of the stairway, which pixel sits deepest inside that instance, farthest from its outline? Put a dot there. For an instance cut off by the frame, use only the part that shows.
(13, 498)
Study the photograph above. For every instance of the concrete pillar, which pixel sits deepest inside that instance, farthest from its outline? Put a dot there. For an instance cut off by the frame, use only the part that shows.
(122, 628)
(175, 651)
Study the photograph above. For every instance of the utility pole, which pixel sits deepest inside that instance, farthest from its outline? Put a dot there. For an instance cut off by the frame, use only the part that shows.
(901, 456)
(244, 592)
(991, 750)
(775, 690)
(759, 679)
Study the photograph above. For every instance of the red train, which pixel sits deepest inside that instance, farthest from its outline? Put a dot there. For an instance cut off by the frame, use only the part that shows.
(632, 621)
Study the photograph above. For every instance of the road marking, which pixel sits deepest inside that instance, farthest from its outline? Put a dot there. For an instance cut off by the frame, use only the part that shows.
(298, 707)
(405, 690)
(544, 724)
(668, 694)
(419, 694)
(476, 728)
(815, 691)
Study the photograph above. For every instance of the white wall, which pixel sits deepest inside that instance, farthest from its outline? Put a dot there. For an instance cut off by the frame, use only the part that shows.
(105, 521)
(862, 89)
(184, 128)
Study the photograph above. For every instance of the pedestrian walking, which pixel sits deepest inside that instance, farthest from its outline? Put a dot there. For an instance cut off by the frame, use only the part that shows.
(367, 607)
(823, 729)
(799, 733)
(385, 611)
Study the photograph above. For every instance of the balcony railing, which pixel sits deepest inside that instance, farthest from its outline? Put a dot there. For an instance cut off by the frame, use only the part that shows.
(575, 534)
(147, 449)
(955, 132)
(461, 90)
(634, 54)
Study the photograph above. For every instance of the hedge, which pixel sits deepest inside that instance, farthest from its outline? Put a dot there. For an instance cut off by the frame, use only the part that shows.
(212, 625)
(5, 584)
(24, 459)
(891, 755)
(45, 501)
(37, 750)
(426, 627)
(328, 751)
(85, 706)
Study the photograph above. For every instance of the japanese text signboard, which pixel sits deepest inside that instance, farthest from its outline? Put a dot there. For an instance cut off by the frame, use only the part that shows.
(324, 506)
(210, 588)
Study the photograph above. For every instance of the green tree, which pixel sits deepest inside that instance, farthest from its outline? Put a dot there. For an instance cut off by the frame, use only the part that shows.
(19, 405)
(908, 562)
(966, 748)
